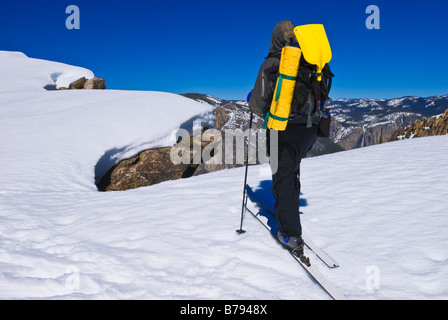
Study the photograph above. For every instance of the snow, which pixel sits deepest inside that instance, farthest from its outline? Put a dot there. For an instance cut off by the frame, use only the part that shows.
(20, 73)
(386, 207)
(395, 102)
(69, 132)
(379, 211)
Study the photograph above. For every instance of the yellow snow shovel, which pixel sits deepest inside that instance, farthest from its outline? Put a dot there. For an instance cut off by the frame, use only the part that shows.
(314, 44)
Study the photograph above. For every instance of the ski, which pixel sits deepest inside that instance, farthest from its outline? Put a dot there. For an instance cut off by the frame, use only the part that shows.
(265, 217)
(318, 251)
(306, 234)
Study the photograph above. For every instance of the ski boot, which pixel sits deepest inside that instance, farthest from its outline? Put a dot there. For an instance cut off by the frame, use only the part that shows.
(295, 245)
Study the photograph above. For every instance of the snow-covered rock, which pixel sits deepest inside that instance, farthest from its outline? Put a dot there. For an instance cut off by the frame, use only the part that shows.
(21, 73)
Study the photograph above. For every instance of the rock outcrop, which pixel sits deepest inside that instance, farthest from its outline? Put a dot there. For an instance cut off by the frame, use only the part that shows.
(221, 117)
(78, 84)
(437, 125)
(89, 84)
(147, 168)
(95, 83)
(153, 166)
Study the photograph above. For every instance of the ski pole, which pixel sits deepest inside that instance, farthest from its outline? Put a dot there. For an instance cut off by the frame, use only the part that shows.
(240, 230)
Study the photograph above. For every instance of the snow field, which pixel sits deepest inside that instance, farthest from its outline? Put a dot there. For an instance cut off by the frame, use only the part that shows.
(386, 206)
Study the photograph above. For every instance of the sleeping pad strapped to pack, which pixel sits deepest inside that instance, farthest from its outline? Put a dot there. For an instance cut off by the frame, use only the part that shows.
(277, 117)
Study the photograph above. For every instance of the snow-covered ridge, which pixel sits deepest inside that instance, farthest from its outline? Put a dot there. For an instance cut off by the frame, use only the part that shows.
(21, 73)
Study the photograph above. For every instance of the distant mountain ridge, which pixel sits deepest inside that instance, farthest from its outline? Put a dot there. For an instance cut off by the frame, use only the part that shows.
(356, 122)
(364, 122)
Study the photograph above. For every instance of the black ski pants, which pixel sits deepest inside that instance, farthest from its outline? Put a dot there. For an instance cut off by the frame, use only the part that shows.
(293, 144)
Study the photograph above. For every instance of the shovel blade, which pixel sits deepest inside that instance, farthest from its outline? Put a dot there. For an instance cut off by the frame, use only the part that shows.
(314, 44)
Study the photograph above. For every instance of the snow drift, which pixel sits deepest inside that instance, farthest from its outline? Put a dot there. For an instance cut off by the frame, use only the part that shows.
(20, 73)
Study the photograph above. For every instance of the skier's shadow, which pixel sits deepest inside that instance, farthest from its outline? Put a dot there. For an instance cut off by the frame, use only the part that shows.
(264, 195)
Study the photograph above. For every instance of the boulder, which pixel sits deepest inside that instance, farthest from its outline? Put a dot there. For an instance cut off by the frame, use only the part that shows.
(150, 167)
(78, 84)
(90, 84)
(147, 168)
(95, 83)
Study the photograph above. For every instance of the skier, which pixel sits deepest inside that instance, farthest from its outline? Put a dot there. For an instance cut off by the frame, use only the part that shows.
(293, 143)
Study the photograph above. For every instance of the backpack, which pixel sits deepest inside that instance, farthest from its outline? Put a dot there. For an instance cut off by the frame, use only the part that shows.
(305, 108)
(310, 96)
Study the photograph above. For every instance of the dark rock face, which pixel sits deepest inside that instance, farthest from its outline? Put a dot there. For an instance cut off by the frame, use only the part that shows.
(433, 126)
(89, 84)
(95, 83)
(375, 133)
(78, 84)
(147, 168)
(221, 117)
(153, 166)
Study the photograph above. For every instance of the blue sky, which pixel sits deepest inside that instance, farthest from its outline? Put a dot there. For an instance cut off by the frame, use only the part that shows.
(216, 47)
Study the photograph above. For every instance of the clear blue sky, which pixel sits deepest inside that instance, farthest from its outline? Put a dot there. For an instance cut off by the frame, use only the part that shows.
(216, 46)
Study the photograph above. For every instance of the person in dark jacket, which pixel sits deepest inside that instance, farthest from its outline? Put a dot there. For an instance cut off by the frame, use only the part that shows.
(293, 144)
